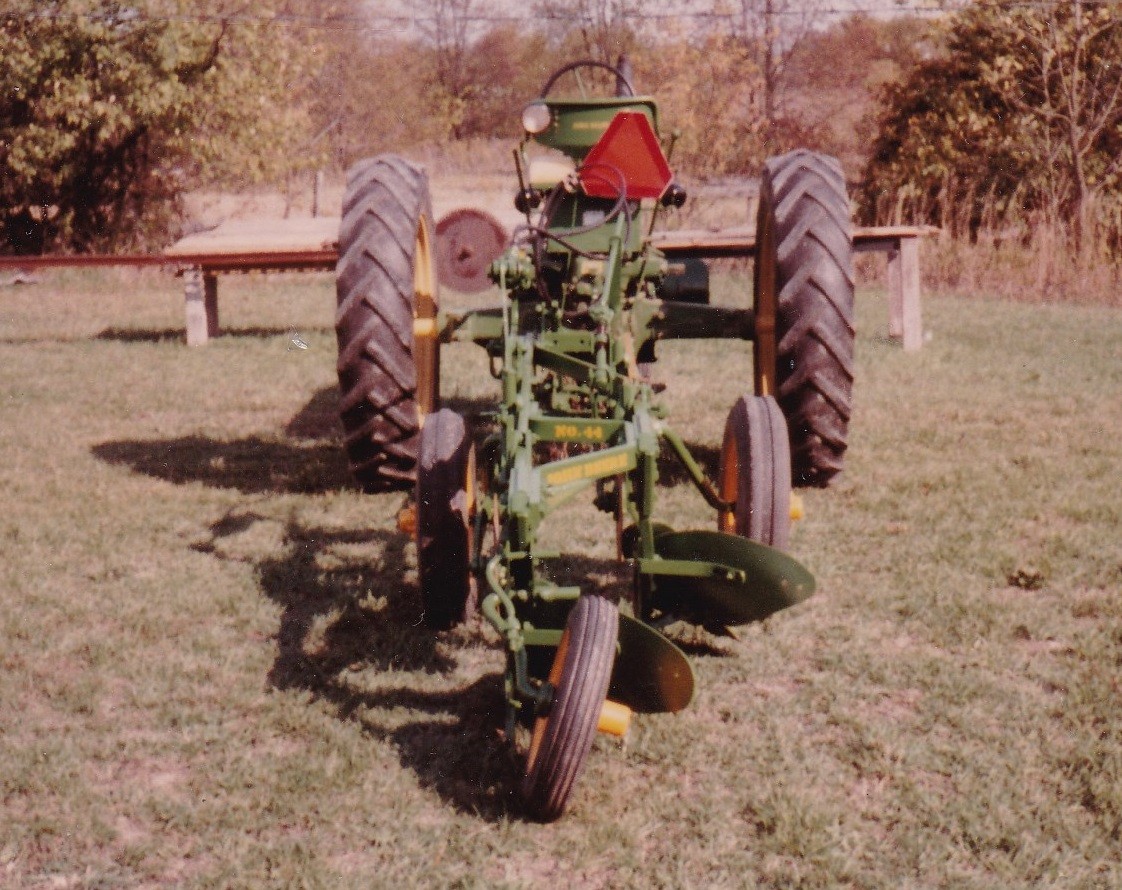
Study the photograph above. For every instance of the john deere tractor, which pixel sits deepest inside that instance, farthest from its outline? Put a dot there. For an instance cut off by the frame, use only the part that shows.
(583, 298)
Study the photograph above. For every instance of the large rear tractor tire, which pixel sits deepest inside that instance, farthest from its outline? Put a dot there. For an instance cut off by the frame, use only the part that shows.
(562, 739)
(386, 306)
(755, 472)
(445, 506)
(804, 308)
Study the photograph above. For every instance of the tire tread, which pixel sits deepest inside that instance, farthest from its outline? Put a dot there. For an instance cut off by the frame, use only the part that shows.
(386, 198)
(803, 197)
(593, 629)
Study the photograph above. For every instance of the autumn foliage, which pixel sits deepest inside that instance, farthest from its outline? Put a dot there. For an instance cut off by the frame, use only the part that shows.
(109, 112)
(1017, 124)
(996, 122)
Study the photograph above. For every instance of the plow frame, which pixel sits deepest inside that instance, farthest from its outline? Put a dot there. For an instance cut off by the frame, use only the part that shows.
(573, 388)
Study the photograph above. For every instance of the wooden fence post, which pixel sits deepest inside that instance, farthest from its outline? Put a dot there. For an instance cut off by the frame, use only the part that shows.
(210, 289)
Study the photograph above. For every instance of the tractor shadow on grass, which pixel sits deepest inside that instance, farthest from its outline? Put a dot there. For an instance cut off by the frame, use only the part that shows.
(178, 335)
(308, 460)
(253, 465)
(350, 615)
(350, 635)
(349, 632)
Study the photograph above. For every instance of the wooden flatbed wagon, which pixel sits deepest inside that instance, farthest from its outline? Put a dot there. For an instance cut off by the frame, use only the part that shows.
(303, 245)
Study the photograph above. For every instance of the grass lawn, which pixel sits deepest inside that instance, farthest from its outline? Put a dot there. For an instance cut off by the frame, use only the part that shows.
(211, 670)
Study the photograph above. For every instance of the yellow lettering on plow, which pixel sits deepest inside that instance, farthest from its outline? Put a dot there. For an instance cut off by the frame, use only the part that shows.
(576, 433)
(593, 469)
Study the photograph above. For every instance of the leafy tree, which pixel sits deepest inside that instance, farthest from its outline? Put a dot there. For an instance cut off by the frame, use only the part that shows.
(110, 111)
(834, 75)
(1065, 85)
(366, 96)
(460, 75)
(709, 90)
(771, 30)
(449, 31)
(602, 30)
(506, 68)
(1021, 117)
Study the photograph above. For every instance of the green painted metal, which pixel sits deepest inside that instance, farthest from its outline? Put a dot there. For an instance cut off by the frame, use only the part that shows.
(719, 579)
(583, 430)
(580, 297)
(651, 675)
(532, 636)
(479, 326)
(578, 124)
(588, 467)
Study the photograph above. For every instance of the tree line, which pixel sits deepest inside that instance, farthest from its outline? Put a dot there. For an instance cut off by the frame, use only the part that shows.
(1015, 124)
(112, 110)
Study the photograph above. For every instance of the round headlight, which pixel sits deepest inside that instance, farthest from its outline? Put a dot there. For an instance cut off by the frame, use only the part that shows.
(536, 117)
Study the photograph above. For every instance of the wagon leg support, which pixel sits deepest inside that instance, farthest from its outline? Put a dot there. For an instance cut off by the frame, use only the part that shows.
(200, 292)
(904, 318)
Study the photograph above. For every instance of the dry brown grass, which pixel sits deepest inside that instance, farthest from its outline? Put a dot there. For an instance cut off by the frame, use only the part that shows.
(212, 673)
(1016, 254)
(1046, 270)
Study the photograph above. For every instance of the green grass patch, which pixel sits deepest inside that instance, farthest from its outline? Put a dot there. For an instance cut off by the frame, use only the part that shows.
(213, 675)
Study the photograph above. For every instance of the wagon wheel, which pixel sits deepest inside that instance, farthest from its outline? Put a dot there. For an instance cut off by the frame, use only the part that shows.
(445, 517)
(804, 308)
(385, 320)
(755, 472)
(562, 739)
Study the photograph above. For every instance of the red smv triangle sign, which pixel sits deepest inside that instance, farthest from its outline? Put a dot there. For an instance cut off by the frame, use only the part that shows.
(627, 156)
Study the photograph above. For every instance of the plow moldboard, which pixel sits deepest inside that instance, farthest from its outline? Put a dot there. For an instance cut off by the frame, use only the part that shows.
(772, 579)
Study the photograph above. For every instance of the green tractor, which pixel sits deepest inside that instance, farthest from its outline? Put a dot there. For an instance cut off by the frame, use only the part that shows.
(584, 297)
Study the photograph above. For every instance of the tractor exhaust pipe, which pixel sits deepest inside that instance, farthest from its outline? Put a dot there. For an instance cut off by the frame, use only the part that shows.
(625, 79)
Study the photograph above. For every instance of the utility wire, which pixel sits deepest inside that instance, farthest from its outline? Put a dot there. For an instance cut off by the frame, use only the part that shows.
(387, 22)
(382, 21)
